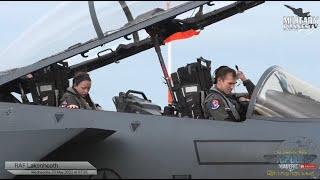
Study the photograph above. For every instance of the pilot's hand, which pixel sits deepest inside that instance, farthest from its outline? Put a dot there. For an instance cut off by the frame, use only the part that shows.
(241, 76)
(73, 106)
(243, 99)
(99, 108)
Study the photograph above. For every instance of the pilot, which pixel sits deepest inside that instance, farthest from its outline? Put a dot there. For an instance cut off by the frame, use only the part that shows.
(220, 103)
(78, 96)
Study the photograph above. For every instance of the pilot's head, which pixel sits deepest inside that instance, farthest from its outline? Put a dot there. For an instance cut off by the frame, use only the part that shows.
(82, 83)
(225, 79)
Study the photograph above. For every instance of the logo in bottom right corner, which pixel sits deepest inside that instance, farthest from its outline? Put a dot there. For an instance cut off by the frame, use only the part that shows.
(296, 157)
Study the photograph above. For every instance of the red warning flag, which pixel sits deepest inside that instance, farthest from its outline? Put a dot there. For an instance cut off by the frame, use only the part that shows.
(181, 35)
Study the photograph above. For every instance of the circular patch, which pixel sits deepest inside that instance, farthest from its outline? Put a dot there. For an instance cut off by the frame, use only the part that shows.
(215, 104)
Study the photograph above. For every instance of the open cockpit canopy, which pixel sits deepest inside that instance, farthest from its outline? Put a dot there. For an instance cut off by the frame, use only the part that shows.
(75, 28)
(280, 94)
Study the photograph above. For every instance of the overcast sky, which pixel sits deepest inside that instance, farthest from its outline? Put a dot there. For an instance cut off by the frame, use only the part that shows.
(254, 40)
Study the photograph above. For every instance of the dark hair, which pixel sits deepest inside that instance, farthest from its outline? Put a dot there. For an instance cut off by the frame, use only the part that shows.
(79, 77)
(222, 71)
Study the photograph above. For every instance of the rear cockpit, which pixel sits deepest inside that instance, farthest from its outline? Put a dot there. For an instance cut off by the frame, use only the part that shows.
(43, 87)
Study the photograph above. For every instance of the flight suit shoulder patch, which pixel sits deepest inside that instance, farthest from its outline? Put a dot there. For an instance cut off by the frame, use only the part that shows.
(215, 104)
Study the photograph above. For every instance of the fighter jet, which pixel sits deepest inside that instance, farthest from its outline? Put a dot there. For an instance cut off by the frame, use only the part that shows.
(283, 114)
(299, 12)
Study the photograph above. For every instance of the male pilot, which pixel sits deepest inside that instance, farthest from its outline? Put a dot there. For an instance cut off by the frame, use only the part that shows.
(221, 104)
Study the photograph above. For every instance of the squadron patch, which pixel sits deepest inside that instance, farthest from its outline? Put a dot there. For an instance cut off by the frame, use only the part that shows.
(215, 104)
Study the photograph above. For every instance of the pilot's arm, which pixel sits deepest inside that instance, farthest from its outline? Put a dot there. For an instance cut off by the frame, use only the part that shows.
(216, 109)
(69, 101)
(246, 82)
(249, 86)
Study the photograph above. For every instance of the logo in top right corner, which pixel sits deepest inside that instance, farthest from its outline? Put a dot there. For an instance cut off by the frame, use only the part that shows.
(302, 21)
